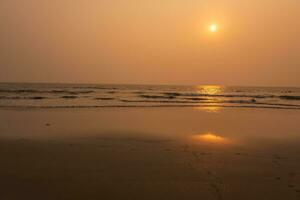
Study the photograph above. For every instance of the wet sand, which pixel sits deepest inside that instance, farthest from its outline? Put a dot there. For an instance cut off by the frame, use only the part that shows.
(150, 153)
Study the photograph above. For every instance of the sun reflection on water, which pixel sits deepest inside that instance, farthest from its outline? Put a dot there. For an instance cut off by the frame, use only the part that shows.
(210, 92)
(210, 89)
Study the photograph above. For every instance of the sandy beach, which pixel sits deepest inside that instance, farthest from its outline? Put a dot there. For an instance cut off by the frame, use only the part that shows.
(150, 153)
(149, 100)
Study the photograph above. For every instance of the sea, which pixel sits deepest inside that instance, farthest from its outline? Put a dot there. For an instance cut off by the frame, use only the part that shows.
(71, 96)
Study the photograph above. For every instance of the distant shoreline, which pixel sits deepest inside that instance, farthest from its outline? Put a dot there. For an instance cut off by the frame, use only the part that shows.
(147, 84)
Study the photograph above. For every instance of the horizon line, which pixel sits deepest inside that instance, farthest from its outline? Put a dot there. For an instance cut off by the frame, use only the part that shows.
(145, 84)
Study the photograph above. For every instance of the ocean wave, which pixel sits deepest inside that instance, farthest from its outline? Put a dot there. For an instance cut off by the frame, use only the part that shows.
(112, 92)
(139, 92)
(155, 101)
(72, 92)
(141, 95)
(21, 97)
(205, 101)
(97, 88)
(197, 99)
(19, 91)
(175, 94)
(69, 97)
(220, 95)
(104, 98)
(32, 91)
(290, 97)
(37, 98)
(156, 97)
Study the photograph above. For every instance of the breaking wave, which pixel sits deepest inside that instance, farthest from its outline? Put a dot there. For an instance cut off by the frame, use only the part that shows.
(94, 96)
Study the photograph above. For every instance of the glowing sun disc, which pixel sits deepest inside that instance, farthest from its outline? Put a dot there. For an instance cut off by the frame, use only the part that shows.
(213, 28)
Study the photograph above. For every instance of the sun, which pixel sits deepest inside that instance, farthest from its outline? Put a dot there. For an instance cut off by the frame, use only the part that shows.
(213, 28)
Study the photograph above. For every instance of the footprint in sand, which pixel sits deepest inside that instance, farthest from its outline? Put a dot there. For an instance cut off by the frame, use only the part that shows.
(71, 145)
(186, 148)
(217, 191)
(291, 175)
(275, 156)
(241, 154)
(190, 165)
(196, 156)
(205, 154)
(276, 160)
(217, 185)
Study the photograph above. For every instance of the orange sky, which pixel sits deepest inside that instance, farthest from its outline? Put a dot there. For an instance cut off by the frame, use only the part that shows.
(151, 42)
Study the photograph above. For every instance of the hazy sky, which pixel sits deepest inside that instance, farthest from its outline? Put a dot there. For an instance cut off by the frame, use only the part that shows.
(151, 41)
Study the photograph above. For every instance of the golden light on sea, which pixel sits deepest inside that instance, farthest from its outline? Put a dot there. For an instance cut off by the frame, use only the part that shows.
(209, 89)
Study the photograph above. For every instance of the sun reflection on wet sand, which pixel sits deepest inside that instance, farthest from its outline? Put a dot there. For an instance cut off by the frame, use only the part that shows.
(210, 137)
